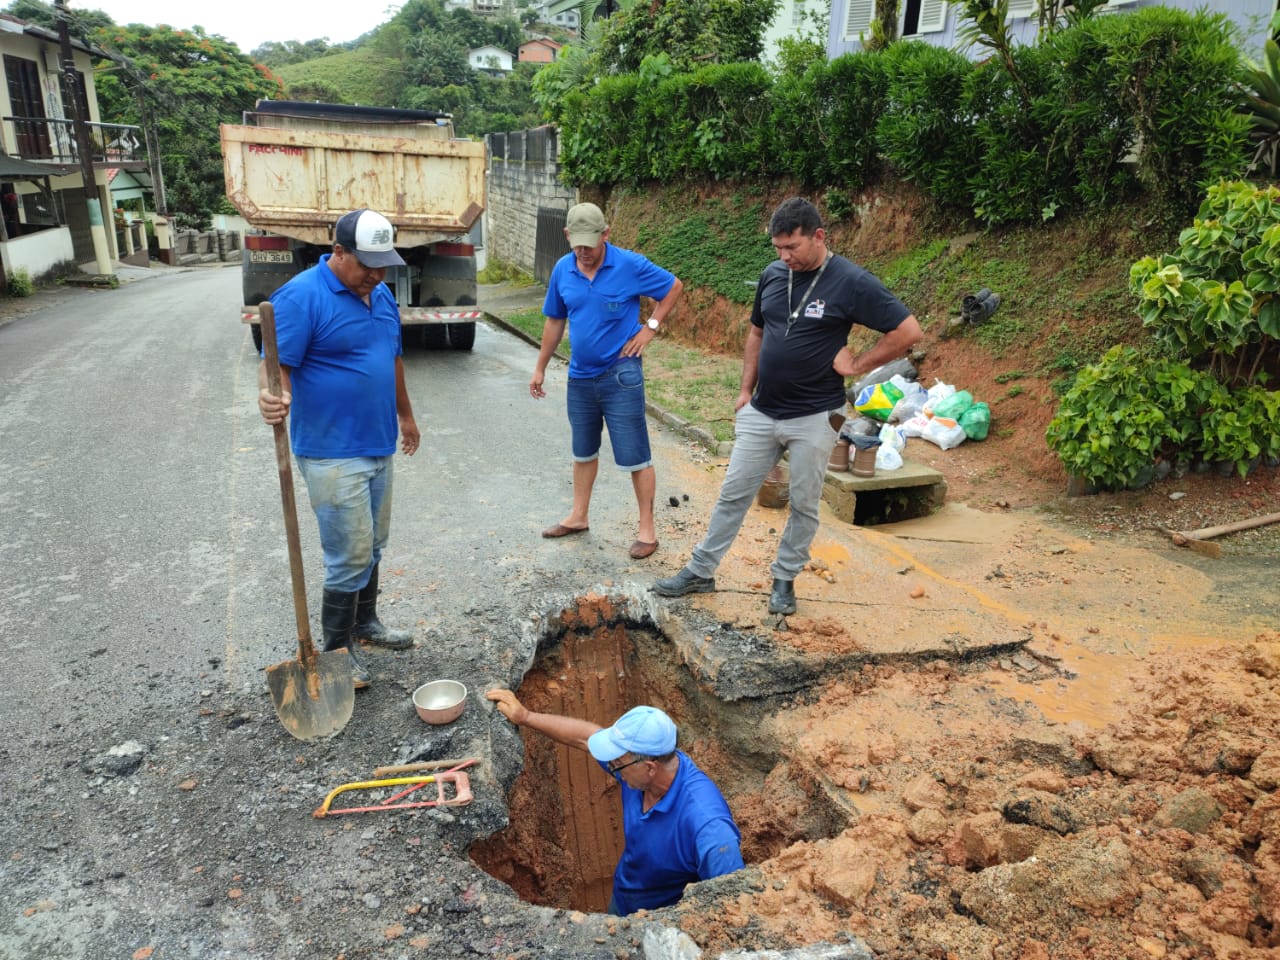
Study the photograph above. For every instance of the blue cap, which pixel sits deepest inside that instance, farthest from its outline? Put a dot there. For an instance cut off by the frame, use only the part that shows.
(643, 730)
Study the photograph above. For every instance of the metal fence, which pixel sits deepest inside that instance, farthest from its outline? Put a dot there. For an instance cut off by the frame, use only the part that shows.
(550, 243)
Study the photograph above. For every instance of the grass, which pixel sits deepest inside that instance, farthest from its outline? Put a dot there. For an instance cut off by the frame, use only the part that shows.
(530, 322)
(697, 387)
(496, 271)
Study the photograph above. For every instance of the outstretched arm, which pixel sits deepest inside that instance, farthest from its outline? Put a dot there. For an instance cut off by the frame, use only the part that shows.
(570, 731)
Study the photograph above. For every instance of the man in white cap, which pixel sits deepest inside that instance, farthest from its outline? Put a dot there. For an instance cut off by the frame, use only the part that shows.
(595, 289)
(677, 826)
(343, 390)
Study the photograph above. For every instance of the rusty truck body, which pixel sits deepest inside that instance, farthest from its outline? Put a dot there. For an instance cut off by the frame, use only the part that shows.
(293, 168)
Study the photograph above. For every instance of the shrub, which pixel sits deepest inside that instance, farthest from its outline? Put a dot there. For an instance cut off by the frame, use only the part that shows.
(1241, 427)
(1214, 300)
(823, 122)
(21, 284)
(1127, 411)
(923, 130)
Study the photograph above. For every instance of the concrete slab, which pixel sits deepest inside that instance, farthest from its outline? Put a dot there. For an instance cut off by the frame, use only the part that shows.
(927, 490)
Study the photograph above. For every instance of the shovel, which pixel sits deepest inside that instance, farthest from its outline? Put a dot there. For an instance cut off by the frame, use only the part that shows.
(314, 695)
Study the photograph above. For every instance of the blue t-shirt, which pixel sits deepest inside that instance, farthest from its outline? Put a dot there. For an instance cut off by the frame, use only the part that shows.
(688, 835)
(341, 357)
(802, 334)
(604, 312)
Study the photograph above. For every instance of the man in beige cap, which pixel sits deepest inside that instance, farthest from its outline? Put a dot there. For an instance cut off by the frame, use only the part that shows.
(596, 290)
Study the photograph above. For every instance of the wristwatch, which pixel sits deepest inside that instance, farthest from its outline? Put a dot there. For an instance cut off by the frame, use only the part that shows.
(653, 324)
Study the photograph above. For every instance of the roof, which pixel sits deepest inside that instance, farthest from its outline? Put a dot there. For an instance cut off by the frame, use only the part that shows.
(14, 168)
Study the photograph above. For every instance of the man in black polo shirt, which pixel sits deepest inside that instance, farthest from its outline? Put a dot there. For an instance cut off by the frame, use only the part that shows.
(793, 371)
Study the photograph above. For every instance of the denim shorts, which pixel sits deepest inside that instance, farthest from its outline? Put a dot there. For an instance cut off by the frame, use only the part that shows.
(614, 398)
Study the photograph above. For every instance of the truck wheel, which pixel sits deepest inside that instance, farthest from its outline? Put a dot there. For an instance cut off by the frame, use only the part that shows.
(431, 336)
(256, 330)
(462, 336)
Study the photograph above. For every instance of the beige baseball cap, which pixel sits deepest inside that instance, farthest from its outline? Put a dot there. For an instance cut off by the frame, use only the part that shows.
(585, 224)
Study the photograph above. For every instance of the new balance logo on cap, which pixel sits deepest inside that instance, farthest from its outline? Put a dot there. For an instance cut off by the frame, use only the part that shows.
(370, 237)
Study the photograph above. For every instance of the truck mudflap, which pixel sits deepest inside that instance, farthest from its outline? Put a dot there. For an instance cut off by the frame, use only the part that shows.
(409, 316)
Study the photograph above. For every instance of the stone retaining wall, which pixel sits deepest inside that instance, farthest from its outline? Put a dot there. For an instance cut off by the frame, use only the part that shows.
(524, 176)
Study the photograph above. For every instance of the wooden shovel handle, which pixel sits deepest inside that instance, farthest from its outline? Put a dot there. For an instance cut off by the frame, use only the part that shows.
(306, 649)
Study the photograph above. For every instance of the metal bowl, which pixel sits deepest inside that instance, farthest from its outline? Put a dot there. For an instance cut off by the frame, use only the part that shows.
(440, 701)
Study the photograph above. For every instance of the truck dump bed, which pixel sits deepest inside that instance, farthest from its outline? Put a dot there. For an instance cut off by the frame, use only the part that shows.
(294, 168)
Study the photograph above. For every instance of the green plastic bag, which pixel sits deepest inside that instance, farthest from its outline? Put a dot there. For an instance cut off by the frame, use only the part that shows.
(953, 406)
(976, 421)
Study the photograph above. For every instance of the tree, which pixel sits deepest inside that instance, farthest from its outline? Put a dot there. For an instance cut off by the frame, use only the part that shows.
(692, 33)
(192, 82)
(81, 23)
(274, 54)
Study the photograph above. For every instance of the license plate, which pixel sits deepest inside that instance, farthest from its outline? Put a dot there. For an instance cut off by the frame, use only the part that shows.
(271, 256)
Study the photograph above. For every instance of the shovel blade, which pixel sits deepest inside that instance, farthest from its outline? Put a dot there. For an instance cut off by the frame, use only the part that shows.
(313, 701)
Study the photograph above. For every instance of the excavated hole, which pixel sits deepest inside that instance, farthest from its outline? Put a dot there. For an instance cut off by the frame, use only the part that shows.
(565, 833)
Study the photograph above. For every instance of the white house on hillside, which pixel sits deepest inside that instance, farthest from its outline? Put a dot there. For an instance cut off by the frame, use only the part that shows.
(938, 22)
(490, 59)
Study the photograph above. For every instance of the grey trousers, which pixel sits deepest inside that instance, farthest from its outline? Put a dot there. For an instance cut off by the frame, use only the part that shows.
(757, 448)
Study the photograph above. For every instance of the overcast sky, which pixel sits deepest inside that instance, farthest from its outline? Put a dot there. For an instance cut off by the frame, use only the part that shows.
(250, 23)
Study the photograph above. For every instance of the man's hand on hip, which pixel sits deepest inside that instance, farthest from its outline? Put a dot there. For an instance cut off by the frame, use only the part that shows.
(635, 346)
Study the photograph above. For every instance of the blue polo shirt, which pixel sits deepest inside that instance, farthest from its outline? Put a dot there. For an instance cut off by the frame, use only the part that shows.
(603, 313)
(688, 835)
(341, 357)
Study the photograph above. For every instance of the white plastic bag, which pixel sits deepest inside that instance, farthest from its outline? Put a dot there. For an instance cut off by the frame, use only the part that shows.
(939, 391)
(888, 458)
(912, 402)
(891, 436)
(914, 427)
(944, 432)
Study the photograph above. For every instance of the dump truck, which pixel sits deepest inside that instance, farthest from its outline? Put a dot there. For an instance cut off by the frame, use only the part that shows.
(293, 168)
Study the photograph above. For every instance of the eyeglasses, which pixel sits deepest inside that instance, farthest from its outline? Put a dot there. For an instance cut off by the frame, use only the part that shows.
(620, 767)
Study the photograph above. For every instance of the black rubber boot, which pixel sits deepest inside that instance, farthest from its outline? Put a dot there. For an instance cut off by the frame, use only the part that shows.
(783, 597)
(337, 617)
(368, 627)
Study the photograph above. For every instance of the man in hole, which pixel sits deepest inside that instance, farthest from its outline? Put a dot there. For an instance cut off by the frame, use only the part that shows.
(677, 826)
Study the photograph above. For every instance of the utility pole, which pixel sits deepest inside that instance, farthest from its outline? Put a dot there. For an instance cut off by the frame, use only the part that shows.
(73, 95)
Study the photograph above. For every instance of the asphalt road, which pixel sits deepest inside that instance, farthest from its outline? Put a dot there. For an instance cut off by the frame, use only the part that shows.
(154, 807)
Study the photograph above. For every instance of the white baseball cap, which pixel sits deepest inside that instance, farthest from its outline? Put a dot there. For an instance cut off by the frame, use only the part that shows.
(370, 237)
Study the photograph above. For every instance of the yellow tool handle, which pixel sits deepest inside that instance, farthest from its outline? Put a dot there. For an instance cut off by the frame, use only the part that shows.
(368, 785)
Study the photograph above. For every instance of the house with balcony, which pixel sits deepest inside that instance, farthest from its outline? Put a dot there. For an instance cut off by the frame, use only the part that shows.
(939, 22)
(46, 220)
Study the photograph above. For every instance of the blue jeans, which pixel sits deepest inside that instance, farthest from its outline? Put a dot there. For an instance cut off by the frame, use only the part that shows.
(615, 398)
(351, 498)
(757, 447)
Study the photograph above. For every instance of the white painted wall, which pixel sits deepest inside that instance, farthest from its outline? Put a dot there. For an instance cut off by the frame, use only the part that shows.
(37, 253)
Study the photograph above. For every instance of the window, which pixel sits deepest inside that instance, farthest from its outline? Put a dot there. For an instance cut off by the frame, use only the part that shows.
(797, 13)
(924, 16)
(857, 20)
(23, 77)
